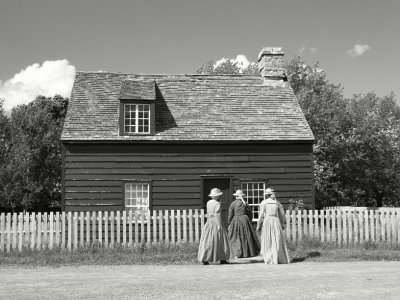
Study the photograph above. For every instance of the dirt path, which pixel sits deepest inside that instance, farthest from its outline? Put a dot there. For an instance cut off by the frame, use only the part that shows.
(305, 280)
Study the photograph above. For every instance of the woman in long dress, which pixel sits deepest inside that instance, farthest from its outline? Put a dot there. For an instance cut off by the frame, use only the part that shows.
(242, 237)
(272, 218)
(214, 244)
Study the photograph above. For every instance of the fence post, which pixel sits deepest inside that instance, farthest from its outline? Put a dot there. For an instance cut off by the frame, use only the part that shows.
(106, 228)
(322, 217)
(45, 230)
(372, 225)
(51, 230)
(75, 230)
(130, 233)
(294, 224)
(196, 225)
(316, 225)
(88, 219)
(160, 225)
(287, 215)
(173, 226)
(167, 235)
(136, 227)
(299, 227)
(69, 243)
(82, 227)
(124, 228)
(184, 226)
(39, 231)
(366, 225)
(154, 227)
(148, 219)
(178, 223)
(339, 229)
(2, 232)
(27, 230)
(112, 229)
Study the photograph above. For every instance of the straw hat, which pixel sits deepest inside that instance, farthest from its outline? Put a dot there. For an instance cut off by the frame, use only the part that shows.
(215, 192)
(269, 191)
(239, 193)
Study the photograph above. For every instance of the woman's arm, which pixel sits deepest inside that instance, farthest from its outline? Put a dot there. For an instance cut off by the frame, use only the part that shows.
(261, 215)
(281, 214)
(231, 213)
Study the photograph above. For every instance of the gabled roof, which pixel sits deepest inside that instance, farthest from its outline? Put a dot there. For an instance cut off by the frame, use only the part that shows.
(188, 108)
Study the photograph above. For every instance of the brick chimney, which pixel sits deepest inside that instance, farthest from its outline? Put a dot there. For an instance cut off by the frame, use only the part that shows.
(270, 65)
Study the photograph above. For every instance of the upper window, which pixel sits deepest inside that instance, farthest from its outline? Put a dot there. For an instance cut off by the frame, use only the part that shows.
(254, 192)
(137, 118)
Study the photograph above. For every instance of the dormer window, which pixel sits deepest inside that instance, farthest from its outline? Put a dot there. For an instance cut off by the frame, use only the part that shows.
(137, 118)
(137, 107)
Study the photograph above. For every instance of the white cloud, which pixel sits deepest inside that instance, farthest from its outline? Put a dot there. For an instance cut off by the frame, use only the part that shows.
(305, 49)
(358, 50)
(48, 79)
(241, 61)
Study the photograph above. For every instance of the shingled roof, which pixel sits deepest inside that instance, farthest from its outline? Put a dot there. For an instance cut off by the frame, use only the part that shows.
(188, 108)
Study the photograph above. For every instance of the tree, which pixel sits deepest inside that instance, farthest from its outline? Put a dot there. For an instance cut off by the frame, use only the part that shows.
(226, 67)
(357, 140)
(32, 179)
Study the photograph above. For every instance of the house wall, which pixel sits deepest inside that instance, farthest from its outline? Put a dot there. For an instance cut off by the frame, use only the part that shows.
(94, 174)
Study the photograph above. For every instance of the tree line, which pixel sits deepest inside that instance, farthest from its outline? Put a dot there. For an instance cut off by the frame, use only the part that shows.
(356, 148)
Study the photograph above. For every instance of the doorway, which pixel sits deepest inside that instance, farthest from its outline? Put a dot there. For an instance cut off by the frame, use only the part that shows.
(225, 184)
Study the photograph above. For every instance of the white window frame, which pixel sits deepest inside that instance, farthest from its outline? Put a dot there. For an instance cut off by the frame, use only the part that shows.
(254, 200)
(131, 192)
(134, 122)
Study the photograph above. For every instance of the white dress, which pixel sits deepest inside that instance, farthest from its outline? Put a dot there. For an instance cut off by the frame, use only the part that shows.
(273, 245)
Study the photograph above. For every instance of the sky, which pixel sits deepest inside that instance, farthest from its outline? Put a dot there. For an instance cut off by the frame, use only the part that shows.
(43, 42)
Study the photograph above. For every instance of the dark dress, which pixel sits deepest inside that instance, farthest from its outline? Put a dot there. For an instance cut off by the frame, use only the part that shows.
(242, 237)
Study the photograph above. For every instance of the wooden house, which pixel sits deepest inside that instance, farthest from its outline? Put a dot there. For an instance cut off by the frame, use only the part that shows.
(139, 142)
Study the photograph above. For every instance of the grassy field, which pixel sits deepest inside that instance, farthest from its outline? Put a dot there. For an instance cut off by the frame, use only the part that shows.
(185, 253)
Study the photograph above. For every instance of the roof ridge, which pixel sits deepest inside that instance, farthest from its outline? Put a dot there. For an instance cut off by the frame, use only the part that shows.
(165, 74)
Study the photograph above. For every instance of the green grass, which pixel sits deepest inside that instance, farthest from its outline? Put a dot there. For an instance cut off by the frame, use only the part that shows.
(182, 253)
(185, 253)
(315, 250)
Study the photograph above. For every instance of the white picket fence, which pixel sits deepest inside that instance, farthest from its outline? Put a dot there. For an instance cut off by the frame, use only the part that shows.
(72, 230)
(344, 227)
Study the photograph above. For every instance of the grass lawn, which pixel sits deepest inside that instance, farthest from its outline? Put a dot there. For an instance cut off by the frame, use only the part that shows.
(185, 253)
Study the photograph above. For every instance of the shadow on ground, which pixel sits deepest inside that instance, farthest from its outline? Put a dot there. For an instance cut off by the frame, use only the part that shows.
(309, 255)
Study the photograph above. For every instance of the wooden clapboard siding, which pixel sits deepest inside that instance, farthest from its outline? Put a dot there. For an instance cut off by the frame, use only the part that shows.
(93, 174)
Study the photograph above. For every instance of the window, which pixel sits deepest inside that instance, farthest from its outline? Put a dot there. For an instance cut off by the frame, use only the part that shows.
(137, 197)
(137, 118)
(254, 195)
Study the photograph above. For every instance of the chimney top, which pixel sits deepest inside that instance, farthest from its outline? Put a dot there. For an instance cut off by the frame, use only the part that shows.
(270, 65)
(270, 51)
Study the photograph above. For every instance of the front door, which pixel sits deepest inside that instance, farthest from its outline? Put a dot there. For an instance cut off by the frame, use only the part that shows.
(225, 185)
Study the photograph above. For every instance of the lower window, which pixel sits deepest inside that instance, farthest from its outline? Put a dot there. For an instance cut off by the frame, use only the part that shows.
(137, 197)
(254, 192)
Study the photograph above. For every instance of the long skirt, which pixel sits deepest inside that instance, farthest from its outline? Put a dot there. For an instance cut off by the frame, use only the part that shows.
(242, 237)
(273, 245)
(214, 245)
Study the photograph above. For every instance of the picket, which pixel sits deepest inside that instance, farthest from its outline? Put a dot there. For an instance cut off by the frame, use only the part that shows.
(184, 219)
(166, 218)
(136, 227)
(287, 225)
(196, 226)
(339, 228)
(148, 225)
(293, 223)
(112, 224)
(75, 230)
(100, 227)
(155, 227)
(81, 227)
(178, 221)
(130, 232)
(51, 230)
(299, 225)
(173, 227)
(160, 226)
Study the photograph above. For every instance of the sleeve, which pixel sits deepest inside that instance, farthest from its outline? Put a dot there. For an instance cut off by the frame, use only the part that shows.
(218, 213)
(261, 214)
(282, 217)
(231, 213)
(249, 212)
